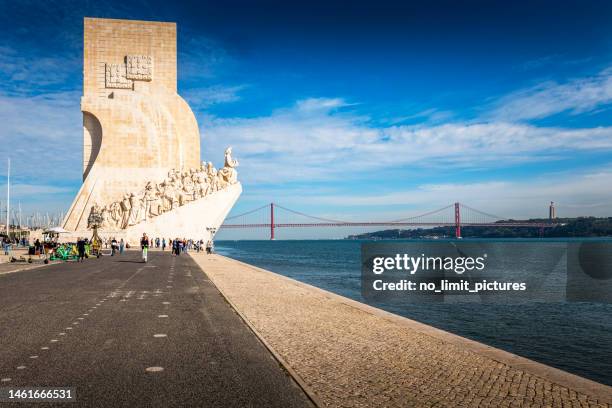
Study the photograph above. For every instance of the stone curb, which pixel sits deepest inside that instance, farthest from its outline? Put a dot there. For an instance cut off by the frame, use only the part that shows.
(601, 392)
(300, 382)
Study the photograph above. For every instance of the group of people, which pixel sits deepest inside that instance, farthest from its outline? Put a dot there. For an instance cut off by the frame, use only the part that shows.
(178, 189)
(7, 243)
(116, 246)
(176, 245)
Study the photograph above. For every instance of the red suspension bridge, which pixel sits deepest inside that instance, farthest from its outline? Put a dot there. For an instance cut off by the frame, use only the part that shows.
(455, 215)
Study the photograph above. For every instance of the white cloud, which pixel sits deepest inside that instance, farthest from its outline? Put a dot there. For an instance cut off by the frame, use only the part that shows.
(201, 98)
(577, 96)
(21, 191)
(24, 73)
(574, 195)
(42, 135)
(313, 140)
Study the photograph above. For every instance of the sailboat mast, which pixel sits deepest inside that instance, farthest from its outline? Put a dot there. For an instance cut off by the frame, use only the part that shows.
(20, 226)
(8, 197)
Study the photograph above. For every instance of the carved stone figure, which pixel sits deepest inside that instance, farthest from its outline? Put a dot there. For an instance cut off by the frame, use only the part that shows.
(212, 177)
(186, 193)
(136, 213)
(168, 195)
(150, 200)
(203, 188)
(115, 215)
(125, 210)
(228, 173)
(104, 217)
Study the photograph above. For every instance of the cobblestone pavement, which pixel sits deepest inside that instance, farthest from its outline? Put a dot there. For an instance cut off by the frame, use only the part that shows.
(351, 357)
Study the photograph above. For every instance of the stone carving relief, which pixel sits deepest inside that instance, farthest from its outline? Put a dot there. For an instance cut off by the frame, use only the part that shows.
(139, 67)
(116, 77)
(180, 187)
(136, 68)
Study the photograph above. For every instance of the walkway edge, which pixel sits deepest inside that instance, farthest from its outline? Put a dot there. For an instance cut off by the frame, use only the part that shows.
(26, 267)
(299, 381)
(601, 392)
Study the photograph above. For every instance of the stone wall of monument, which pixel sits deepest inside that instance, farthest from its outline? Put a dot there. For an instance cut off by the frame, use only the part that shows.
(135, 125)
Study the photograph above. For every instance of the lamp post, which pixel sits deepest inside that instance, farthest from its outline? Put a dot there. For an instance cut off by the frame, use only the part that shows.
(212, 231)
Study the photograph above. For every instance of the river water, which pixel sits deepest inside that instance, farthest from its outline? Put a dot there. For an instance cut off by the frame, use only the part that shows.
(575, 337)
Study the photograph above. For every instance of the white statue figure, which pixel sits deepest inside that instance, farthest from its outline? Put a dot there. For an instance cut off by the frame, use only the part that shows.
(202, 184)
(228, 173)
(212, 177)
(115, 214)
(125, 210)
(104, 218)
(159, 203)
(150, 200)
(186, 193)
(171, 174)
(168, 195)
(136, 210)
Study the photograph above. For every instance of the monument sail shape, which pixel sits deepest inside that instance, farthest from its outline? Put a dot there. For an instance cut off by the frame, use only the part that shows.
(141, 141)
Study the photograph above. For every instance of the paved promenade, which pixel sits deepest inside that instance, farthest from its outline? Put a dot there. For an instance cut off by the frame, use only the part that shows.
(129, 334)
(351, 355)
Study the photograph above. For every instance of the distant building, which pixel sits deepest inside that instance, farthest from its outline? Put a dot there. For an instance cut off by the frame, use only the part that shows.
(552, 212)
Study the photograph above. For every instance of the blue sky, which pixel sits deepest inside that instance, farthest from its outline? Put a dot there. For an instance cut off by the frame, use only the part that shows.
(353, 110)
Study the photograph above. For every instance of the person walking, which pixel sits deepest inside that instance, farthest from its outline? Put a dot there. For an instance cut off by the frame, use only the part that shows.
(113, 246)
(176, 246)
(81, 249)
(121, 246)
(209, 247)
(144, 244)
(163, 244)
(37, 247)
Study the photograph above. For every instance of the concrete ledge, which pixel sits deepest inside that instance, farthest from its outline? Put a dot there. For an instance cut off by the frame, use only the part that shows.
(217, 268)
(301, 383)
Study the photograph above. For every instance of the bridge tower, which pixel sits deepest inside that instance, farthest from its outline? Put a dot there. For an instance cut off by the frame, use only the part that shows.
(457, 221)
(271, 221)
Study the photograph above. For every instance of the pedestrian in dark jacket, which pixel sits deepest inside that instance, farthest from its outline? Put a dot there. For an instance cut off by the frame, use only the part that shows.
(81, 249)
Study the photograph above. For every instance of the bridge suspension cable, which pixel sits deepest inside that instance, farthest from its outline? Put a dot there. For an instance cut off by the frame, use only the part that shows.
(233, 217)
(458, 216)
(425, 214)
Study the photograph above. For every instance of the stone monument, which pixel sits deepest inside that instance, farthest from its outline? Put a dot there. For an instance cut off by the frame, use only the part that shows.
(141, 141)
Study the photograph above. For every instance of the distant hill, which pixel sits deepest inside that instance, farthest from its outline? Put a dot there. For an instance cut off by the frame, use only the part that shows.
(570, 227)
